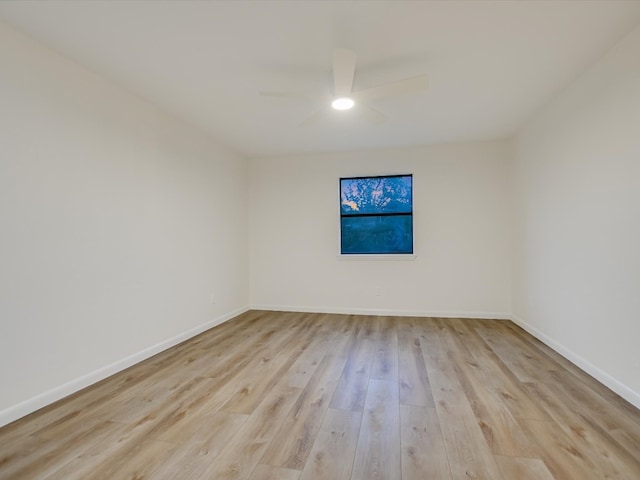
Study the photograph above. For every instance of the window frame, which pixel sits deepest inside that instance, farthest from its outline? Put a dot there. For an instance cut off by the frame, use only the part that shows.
(381, 255)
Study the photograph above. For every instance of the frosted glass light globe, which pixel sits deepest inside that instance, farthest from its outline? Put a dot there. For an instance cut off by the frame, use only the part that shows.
(342, 103)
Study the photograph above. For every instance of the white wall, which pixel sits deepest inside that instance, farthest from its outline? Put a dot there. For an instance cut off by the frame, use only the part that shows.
(462, 233)
(578, 222)
(117, 224)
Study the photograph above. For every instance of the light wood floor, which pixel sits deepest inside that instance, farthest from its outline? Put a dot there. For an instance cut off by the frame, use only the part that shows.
(290, 396)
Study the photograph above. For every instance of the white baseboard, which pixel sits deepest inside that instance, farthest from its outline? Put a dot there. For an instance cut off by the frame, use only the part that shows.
(46, 398)
(618, 387)
(600, 375)
(31, 405)
(385, 312)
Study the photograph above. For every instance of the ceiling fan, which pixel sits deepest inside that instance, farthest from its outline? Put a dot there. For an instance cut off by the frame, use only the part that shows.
(344, 98)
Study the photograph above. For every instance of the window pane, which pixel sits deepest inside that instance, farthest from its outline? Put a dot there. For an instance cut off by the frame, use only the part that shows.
(375, 195)
(377, 234)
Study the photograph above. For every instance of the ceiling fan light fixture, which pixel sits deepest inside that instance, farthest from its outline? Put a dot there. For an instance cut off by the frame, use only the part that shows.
(343, 103)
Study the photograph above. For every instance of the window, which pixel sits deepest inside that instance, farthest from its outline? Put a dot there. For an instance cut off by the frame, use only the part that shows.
(376, 215)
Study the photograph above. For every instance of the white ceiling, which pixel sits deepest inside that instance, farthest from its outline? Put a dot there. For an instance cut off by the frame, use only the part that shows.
(491, 64)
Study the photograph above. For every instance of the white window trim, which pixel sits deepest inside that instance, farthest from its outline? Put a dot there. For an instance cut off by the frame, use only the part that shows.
(379, 256)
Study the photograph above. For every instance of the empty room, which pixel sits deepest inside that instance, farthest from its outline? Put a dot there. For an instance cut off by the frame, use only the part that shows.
(300, 240)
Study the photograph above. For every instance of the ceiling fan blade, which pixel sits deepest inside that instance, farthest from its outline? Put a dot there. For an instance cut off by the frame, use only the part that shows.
(294, 95)
(344, 67)
(314, 118)
(407, 85)
(372, 114)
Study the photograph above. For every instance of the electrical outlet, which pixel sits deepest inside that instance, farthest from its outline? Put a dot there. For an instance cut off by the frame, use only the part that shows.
(212, 299)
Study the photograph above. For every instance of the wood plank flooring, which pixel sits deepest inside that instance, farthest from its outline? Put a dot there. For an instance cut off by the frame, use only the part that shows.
(301, 396)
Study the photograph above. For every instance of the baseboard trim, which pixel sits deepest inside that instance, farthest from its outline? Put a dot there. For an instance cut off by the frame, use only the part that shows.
(603, 377)
(384, 312)
(26, 407)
